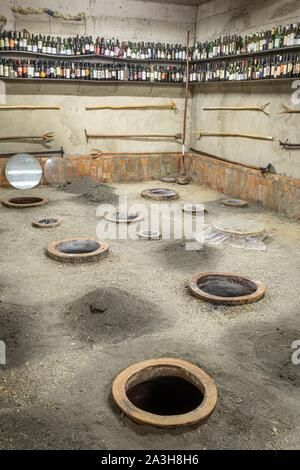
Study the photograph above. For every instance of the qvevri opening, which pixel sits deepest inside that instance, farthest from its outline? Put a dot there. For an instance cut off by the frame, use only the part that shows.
(76, 247)
(165, 395)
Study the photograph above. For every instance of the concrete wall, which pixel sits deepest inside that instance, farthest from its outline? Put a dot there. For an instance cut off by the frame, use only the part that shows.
(157, 21)
(244, 16)
(218, 17)
(128, 20)
(69, 123)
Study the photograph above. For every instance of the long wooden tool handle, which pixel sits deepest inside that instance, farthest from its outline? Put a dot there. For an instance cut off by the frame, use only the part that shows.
(171, 106)
(132, 136)
(23, 107)
(232, 134)
(238, 108)
(287, 110)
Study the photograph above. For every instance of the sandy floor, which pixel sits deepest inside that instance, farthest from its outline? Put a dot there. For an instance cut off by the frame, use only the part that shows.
(62, 356)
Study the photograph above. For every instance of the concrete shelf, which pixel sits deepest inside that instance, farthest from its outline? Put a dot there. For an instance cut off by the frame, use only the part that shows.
(91, 82)
(248, 82)
(85, 57)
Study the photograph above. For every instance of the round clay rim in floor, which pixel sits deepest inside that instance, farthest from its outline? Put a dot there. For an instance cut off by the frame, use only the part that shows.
(187, 210)
(235, 202)
(243, 299)
(168, 179)
(109, 216)
(171, 194)
(160, 367)
(38, 222)
(12, 202)
(96, 255)
(182, 180)
(149, 235)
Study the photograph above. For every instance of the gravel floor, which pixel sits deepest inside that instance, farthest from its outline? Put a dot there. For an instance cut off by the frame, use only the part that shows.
(70, 329)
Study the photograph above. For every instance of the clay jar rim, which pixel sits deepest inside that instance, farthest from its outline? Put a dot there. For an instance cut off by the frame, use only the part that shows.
(54, 253)
(187, 210)
(239, 300)
(148, 369)
(230, 202)
(109, 216)
(147, 193)
(13, 205)
(168, 179)
(144, 235)
(37, 222)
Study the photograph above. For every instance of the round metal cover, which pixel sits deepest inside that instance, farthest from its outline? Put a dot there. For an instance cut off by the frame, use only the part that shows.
(23, 171)
(55, 171)
(239, 226)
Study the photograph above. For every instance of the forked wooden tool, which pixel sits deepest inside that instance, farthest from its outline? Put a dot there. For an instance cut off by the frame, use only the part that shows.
(238, 108)
(43, 138)
(287, 110)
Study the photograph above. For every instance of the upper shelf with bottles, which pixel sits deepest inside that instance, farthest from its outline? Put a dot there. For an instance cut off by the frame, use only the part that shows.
(281, 39)
(25, 44)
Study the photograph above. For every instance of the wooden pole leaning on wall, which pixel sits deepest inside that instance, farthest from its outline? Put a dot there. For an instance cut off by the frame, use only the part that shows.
(171, 106)
(4, 107)
(238, 108)
(186, 97)
(232, 134)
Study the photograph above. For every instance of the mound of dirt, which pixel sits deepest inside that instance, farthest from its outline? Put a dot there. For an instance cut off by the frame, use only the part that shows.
(90, 190)
(113, 315)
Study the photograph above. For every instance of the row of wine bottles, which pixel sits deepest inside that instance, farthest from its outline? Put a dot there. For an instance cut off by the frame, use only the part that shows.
(277, 37)
(279, 66)
(90, 71)
(23, 41)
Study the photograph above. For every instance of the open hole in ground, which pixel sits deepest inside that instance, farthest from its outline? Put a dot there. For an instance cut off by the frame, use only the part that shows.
(47, 221)
(225, 286)
(160, 194)
(78, 247)
(165, 395)
(165, 392)
(25, 200)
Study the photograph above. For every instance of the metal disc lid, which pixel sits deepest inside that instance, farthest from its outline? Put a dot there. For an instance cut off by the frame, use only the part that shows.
(239, 226)
(55, 171)
(23, 171)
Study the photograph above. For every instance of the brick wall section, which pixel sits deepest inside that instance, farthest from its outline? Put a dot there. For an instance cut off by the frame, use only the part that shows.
(275, 192)
(120, 167)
